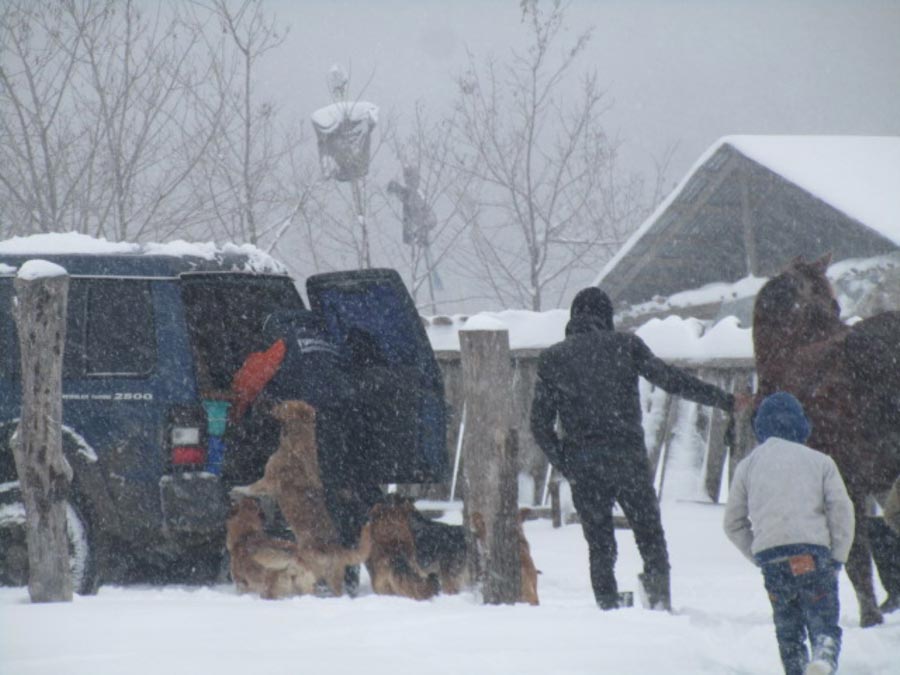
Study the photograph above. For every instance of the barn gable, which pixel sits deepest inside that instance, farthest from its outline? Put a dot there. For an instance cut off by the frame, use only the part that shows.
(752, 203)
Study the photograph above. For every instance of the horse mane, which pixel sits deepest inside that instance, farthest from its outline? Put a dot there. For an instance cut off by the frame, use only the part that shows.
(793, 310)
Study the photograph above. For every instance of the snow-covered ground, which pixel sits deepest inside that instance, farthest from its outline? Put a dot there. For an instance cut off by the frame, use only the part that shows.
(721, 623)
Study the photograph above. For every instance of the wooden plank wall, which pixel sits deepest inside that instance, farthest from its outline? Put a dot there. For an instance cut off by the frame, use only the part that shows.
(731, 374)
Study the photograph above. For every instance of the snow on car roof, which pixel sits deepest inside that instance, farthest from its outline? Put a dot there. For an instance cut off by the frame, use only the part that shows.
(245, 256)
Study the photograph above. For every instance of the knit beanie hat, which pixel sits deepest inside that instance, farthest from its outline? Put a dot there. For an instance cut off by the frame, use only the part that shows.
(781, 415)
(592, 303)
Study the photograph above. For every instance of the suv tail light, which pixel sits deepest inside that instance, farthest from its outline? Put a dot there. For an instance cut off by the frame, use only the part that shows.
(186, 438)
(186, 447)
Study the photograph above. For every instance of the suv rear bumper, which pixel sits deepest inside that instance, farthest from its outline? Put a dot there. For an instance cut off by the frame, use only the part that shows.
(193, 503)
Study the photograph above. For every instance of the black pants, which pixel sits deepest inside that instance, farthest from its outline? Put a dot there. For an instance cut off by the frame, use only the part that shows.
(349, 492)
(885, 546)
(599, 479)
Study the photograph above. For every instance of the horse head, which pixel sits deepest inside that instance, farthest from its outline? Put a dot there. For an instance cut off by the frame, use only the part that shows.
(797, 305)
(793, 310)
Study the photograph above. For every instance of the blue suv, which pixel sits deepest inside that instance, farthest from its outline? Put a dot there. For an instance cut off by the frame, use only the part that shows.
(152, 342)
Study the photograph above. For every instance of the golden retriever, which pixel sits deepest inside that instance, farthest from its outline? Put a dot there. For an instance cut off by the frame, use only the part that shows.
(292, 478)
(271, 568)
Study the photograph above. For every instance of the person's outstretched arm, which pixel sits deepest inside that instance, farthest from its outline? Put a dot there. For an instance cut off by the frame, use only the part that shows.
(676, 381)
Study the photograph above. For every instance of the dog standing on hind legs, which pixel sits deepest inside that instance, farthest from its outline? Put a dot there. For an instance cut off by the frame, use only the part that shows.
(292, 478)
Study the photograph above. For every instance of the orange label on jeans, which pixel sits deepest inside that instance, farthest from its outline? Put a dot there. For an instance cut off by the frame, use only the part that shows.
(802, 564)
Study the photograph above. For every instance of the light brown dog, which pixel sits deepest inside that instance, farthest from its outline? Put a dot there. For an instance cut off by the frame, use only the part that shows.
(272, 568)
(392, 564)
(528, 572)
(292, 478)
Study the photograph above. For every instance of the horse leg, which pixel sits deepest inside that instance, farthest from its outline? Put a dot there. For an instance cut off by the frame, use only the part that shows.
(859, 569)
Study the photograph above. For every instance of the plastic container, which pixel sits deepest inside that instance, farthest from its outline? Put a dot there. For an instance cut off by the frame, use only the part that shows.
(215, 453)
(216, 417)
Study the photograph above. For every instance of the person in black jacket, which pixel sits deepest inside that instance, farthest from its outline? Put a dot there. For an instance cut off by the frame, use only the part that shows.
(590, 382)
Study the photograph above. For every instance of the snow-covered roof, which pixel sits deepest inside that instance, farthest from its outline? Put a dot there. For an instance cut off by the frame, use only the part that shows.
(670, 338)
(857, 175)
(76, 243)
(669, 335)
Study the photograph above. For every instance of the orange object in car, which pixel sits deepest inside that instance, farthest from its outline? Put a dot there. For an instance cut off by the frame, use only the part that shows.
(252, 377)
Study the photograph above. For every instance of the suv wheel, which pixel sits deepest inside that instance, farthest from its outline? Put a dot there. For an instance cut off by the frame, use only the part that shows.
(14, 551)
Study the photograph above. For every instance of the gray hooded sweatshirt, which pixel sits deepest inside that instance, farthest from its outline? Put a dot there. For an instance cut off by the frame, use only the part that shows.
(786, 493)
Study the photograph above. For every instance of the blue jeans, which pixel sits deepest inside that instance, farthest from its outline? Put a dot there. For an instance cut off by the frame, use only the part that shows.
(802, 584)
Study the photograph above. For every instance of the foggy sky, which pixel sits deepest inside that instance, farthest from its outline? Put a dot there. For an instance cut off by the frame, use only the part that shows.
(684, 72)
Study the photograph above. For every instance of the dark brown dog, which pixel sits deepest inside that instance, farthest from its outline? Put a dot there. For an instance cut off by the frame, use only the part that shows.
(292, 478)
(392, 563)
(440, 549)
(272, 568)
(423, 549)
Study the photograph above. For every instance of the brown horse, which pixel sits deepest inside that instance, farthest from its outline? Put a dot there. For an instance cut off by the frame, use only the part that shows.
(848, 380)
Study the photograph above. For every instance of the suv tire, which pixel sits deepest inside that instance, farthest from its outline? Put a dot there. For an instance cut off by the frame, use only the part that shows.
(14, 551)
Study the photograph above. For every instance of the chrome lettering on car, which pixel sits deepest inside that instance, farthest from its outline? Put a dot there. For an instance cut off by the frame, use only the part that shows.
(117, 396)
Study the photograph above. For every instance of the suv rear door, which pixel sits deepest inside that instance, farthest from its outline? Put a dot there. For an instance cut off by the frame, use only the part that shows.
(377, 302)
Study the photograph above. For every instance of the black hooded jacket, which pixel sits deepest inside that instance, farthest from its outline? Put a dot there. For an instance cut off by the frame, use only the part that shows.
(591, 380)
(313, 369)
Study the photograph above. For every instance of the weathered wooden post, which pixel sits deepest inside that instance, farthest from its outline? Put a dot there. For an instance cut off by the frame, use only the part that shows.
(44, 474)
(489, 461)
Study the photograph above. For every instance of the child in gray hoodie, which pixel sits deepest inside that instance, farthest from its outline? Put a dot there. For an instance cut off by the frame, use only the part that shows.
(788, 511)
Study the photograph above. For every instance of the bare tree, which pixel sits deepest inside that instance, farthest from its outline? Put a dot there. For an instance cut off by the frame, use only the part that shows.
(240, 172)
(38, 160)
(97, 136)
(435, 196)
(551, 202)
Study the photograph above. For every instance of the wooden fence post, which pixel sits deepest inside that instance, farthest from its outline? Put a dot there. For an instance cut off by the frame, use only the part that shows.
(44, 474)
(489, 463)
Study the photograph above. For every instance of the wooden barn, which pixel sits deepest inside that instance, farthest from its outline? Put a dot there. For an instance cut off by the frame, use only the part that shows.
(749, 205)
(752, 203)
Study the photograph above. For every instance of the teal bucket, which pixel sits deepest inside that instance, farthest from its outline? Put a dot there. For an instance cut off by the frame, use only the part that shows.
(216, 416)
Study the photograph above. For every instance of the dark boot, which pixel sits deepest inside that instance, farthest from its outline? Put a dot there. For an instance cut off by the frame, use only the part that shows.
(891, 604)
(351, 580)
(655, 586)
(607, 602)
